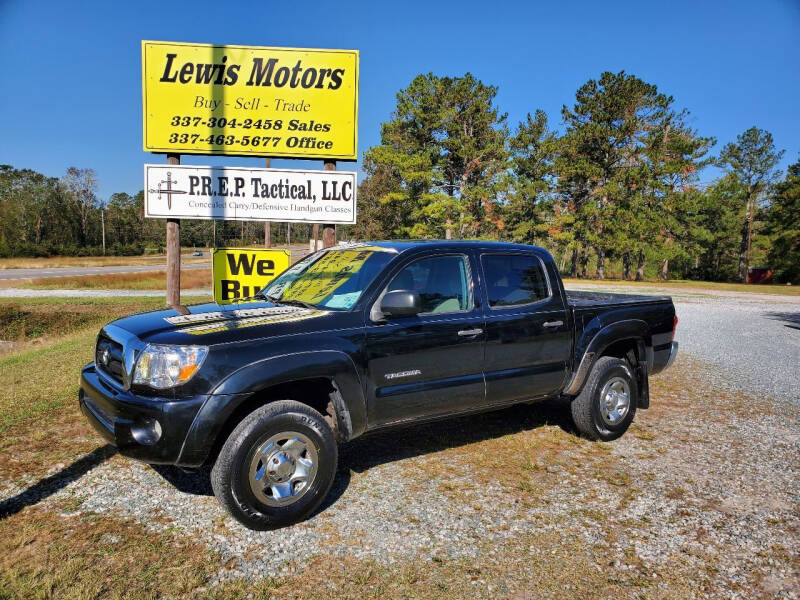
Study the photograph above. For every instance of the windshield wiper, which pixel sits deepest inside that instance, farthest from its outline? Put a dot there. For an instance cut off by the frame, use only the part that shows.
(258, 296)
(277, 301)
(297, 303)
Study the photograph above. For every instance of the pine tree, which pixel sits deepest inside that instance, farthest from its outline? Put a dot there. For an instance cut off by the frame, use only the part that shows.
(445, 147)
(528, 215)
(716, 229)
(783, 222)
(674, 155)
(627, 158)
(608, 126)
(752, 158)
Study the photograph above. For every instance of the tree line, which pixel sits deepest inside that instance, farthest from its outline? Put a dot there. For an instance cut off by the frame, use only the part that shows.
(48, 216)
(614, 190)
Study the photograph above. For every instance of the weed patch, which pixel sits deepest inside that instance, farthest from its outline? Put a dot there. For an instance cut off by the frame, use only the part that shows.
(43, 554)
(151, 280)
(22, 320)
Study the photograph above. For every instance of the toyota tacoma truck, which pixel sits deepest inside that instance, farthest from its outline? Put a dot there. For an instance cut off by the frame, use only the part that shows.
(353, 339)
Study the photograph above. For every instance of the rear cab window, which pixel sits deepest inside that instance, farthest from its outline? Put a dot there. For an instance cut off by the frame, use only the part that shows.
(514, 279)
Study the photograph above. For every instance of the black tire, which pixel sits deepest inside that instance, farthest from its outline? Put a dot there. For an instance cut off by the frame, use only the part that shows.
(230, 476)
(586, 406)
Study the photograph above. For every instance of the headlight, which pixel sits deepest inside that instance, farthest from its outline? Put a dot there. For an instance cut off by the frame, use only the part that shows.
(163, 367)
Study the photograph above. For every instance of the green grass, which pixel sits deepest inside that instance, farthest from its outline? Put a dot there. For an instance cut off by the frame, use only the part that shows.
(43, 378)
(40, 423)
(39, 381)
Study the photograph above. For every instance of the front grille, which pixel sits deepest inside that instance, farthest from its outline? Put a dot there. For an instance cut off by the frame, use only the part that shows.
(108, 357)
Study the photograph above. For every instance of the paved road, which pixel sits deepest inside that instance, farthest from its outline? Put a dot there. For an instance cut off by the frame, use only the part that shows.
(16, 274)
(32, 293)
(11, 274)
(753, 339)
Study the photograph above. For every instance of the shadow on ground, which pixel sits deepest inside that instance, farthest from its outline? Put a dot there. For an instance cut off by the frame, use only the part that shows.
(790, 319)
(51, 484)
(400, 443)
(196, 482)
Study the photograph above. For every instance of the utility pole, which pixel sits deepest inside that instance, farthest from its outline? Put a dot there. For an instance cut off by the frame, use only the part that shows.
(328, 230)
(173, 251)
(103, 227)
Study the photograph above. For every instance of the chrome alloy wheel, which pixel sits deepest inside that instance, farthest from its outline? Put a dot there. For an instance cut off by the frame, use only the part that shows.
(283, 468)
(615, 400)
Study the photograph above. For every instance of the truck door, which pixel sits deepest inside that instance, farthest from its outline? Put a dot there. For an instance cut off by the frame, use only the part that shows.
(528, 338)
(430, 363)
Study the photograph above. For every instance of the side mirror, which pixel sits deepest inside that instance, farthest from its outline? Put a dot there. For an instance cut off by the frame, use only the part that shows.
(401, 303)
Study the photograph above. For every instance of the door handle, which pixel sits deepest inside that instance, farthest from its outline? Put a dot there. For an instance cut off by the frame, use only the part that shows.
(552, 323)
(470, 332)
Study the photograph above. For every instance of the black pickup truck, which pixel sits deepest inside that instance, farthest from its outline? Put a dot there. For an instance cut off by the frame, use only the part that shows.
(357, 338)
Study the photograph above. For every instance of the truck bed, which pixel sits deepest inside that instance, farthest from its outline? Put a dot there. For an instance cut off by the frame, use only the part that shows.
(581, 299)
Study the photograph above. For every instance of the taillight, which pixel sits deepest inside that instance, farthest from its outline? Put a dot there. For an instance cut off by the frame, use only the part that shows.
(674, 325)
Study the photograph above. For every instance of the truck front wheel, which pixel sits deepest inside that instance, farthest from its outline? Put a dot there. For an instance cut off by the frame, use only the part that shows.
(607, 404)
(277, 466)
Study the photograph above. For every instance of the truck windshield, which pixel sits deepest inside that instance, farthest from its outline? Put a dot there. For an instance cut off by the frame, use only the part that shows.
(332, 279)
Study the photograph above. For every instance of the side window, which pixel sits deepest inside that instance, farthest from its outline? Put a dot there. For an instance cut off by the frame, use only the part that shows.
(442, 283)
(513, 279)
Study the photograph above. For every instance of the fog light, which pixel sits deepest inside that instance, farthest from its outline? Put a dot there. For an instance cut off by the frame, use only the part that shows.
(147, 432)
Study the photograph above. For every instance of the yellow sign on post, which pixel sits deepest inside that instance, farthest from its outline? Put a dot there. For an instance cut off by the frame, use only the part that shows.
(241, 272)
(250, 100)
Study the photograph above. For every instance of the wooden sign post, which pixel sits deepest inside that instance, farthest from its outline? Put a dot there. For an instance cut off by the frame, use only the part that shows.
(328, 230)
(173, 251)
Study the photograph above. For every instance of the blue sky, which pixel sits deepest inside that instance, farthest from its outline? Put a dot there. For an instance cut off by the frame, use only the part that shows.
(71, 73)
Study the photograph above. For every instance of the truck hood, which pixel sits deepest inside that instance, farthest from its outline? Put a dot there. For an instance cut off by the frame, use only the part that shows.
(212, 323)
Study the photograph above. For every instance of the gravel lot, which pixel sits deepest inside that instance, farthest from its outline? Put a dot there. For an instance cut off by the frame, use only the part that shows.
(704, 487)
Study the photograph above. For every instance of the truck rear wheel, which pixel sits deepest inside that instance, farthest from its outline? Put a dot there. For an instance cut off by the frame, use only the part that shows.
(607, 404)
(277, 465)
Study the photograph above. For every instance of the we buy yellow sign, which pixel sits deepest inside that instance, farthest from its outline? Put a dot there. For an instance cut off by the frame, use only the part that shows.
(241, 272)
